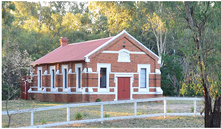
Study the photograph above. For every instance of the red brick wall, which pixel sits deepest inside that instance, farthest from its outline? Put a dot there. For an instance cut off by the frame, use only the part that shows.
(68, 98)
(91, 79)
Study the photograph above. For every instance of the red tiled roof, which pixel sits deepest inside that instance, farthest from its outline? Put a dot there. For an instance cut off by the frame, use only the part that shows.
(71, 52)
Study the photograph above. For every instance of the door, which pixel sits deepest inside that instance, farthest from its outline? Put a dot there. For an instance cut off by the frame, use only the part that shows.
(123, 88)
(25, 86)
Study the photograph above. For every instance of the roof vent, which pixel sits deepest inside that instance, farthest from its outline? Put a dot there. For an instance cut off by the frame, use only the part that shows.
(63, 41)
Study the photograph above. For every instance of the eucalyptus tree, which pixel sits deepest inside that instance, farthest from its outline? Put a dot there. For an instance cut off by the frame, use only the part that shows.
(201, 44)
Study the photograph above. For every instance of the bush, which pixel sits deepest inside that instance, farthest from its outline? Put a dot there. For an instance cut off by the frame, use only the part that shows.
(43, 122)
(138, 113)
(98, 100)
(192, 109)
(169, 111)
(78, 116)
(107, 115)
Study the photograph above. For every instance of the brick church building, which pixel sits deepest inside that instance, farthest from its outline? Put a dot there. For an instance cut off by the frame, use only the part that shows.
(111, 69)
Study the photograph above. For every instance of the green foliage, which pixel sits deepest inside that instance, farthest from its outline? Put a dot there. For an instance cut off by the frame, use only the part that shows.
(106, 115)
(171, 75)
(192, 109)
(98, 100)
(78, 116)
(5, 126)
(138, 113)
(43, 121)
(7, 17)
(169, 111)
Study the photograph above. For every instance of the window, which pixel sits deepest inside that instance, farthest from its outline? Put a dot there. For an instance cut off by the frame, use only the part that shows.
(103, 70)
(52, 71)
(65, 76)
(79, 77)
(39, 78)
(39, 75)
(53, 78)
(103, 78)
(143, 78)
(78, 71)
(143, 70)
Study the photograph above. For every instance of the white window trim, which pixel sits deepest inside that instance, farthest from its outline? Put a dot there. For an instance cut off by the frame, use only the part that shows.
(64, 67)
(147, 66)
(108, 68)
(39, 89)
(78, 65)
(131, 75)
(53, 68)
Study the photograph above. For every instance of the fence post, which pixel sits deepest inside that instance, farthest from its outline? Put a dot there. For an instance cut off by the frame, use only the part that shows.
(195, 107)
(165, 108)
(102, 108)
(68, 114)
(135, 108)
(32, 118)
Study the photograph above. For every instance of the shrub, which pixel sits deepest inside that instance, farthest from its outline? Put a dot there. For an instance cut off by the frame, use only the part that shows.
(98, 100)
(78, 116)
(5, 126)
(43, 121)
(107, 115)
(192, 109)
(169, 111)
(138, 113)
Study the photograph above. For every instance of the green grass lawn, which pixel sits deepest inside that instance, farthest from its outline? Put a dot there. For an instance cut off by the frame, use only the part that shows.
(89, 112)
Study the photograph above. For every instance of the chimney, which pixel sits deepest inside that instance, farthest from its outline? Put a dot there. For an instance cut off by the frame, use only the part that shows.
(63, 41)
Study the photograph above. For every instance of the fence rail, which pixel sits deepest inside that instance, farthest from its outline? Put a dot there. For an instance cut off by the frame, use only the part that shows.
(101, 119)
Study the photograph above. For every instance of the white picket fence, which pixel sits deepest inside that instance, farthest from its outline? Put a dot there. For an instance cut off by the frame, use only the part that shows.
(102, 119)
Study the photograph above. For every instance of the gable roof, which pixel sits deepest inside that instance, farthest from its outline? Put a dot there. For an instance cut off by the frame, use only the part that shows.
(80, 51)
(71, 52)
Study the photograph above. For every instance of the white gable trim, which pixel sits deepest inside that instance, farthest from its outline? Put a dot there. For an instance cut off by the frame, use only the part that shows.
(88, 60)
(130, 52)
(142, 45)
(86, 57)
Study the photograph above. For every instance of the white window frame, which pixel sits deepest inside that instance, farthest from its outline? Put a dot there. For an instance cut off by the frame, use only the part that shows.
(78, 65)
(108, 68)
(53, 68)
(147, 67)
(63, 68)
(39, 88)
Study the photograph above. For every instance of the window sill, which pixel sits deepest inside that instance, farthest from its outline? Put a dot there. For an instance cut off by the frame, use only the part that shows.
(103, 90)
(143, 90)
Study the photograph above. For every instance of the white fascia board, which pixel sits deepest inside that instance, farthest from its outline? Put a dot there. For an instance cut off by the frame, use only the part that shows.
(86, 57)
(142, 45)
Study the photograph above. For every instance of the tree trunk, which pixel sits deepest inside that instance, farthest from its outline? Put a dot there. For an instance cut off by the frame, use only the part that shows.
(216, 113)
(9, 116)
(208, 110)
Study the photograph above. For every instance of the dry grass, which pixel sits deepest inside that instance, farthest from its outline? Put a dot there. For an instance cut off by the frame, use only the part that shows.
(93, 112)
(154, 122)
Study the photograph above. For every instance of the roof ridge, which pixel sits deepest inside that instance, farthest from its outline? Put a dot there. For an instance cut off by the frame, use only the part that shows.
(89, 41)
